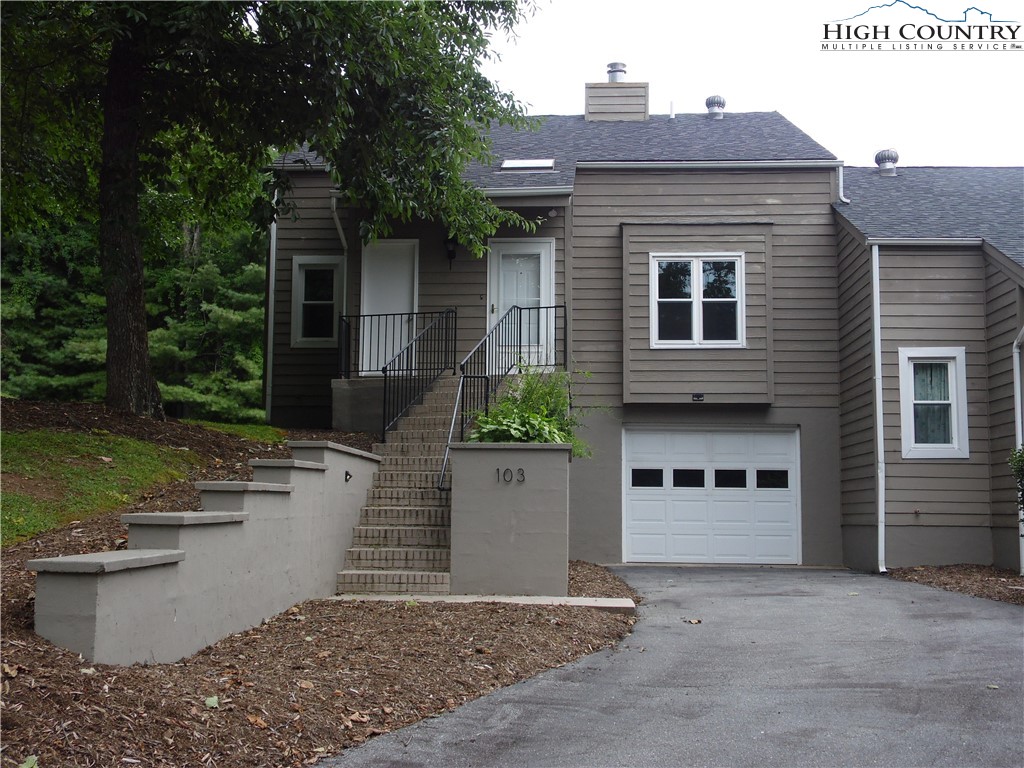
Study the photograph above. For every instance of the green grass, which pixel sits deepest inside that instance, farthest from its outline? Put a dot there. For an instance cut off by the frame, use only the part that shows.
(64, 476)
(261, 433)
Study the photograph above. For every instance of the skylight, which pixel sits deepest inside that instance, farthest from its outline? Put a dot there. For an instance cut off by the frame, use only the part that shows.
(547, 164)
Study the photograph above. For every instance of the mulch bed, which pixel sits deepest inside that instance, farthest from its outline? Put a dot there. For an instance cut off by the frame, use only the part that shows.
(977, 580)
(310, 682)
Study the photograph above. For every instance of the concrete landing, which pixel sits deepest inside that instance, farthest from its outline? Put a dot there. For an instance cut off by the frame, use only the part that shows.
(610, 604)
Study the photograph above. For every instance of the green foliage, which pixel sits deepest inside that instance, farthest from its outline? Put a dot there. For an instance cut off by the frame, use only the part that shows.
(260, 433)
(204, 290)
(1017, 467)
(536, 408)
(147, 122)
(64, 476)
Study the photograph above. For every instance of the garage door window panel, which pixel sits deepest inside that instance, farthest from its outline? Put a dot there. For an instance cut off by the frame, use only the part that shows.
(687, 478)
(647, 478)
(730, 478)
(772, 479)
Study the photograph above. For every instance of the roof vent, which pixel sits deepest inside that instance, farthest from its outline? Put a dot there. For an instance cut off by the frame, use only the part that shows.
(616, 72)
(716, 106)
(886, 160)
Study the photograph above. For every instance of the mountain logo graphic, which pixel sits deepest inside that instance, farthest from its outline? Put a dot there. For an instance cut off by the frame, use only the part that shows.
(903, 5)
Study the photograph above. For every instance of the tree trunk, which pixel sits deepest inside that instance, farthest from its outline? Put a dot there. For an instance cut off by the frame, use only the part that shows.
(130, 383)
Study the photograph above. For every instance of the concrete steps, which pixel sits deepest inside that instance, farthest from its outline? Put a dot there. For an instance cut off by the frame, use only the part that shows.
(402, 542)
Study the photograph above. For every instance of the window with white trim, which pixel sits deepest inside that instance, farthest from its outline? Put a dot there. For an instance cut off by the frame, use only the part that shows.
(697, 300)
(933, 402)
(317, 291)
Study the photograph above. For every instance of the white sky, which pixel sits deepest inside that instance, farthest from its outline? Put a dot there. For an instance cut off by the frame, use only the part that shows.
(934, 108)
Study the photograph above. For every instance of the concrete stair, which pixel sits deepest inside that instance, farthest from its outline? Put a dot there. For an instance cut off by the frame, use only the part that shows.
(402, 542)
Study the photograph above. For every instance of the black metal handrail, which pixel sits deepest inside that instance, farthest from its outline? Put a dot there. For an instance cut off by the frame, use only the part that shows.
(523, 338)
(367, 342)
(411, 372)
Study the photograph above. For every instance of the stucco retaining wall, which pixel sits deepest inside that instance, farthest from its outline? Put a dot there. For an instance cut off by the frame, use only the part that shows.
(189, 579)
(510, 519)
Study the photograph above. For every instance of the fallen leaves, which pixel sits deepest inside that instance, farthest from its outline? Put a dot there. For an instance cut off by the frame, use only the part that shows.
(269, 697)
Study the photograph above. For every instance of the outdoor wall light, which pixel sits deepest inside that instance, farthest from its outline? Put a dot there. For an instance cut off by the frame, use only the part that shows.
(450, 245)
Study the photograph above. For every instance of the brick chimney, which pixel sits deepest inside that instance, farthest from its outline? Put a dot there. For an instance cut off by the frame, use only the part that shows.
(617, 99)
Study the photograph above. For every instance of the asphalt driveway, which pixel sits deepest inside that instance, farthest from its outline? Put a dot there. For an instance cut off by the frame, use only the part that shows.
(786, 667)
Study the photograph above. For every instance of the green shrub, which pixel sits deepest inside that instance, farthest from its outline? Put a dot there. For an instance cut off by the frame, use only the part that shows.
(536, 408)
(1017, 467)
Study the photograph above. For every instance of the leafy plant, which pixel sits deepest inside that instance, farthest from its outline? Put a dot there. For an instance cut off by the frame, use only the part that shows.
(536, 408)
(1017, 467)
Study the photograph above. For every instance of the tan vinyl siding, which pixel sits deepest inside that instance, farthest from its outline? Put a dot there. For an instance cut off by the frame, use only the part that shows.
(617, 101)
(857, 396)
(934, 491)
(804, 314)
(1004, 322)
(664, 375)
(301, 378)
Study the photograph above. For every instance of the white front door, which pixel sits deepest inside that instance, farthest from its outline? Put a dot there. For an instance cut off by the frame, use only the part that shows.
(389, 270)
(727, 496)
(521, 273)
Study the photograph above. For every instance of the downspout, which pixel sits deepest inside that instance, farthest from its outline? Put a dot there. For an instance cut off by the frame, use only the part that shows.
(271, 290)
(337, 225)
(1018, 423)
(842, 194)
(876, 320)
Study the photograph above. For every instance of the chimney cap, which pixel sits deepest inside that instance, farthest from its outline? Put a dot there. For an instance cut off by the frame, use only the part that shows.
(715, 105)
(616, 72)
(886, 160)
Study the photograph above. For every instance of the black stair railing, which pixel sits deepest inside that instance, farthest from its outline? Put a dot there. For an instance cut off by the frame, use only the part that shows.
(523, 338)
(366, 343)
(410, 373)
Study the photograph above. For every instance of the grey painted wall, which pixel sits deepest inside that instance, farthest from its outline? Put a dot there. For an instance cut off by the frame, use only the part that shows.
(510, 519)
(596, 487)
(278, 544)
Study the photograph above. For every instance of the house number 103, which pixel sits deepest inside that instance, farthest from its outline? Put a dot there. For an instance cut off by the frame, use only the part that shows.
(507, 475)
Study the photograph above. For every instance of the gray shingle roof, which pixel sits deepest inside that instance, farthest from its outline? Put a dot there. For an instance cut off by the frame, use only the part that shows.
(925, 203)
(569, 139)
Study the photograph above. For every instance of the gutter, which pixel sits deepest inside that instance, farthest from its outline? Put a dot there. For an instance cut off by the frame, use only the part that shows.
(716, 164)
(337, 225)
(876, 333)
(925, 241)
(525, 191)
(1018, 423)
(271, 283)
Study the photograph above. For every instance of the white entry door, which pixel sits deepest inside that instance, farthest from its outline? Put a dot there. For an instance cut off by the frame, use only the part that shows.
(389, 269)
(521, 273)
(726, 496)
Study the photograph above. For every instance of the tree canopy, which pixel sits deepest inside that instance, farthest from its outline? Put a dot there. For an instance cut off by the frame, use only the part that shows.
(102, 99)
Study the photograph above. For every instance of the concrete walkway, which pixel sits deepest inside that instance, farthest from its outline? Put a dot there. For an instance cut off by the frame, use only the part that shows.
(786, 667)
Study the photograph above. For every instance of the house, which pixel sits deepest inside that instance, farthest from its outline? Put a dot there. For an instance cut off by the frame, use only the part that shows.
(788, 361)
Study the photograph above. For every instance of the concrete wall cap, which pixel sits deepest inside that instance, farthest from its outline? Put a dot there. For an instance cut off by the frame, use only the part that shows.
(106, 562)
(288, 464)
(183, 518)
(239, 485)
(334, 447)
(513, 446)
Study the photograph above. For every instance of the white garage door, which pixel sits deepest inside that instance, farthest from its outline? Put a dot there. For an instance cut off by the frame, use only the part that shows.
(711, 497)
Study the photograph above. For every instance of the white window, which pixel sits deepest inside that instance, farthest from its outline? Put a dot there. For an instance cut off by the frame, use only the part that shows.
(317, 291)
(933, 402)
(697, 300)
